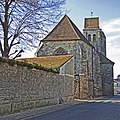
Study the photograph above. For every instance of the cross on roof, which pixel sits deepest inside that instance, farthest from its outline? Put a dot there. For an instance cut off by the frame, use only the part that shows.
(91, 14)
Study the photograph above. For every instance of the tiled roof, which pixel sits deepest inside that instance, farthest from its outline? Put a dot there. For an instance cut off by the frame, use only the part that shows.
(48, 61)
(81, 36)
(65, 30)
(104, 59)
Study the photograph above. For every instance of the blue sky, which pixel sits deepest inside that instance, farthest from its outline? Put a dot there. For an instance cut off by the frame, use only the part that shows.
(109, 13)
(105, 9)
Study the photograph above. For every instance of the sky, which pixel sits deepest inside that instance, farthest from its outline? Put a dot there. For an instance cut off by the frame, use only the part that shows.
(109, 13)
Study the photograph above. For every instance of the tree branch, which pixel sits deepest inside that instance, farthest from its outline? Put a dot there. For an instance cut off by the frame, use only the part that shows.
(26, 20)
(13, 53)
(1, 49)
(18, 54)
(1, 22)
(9, 37)
(12, 42)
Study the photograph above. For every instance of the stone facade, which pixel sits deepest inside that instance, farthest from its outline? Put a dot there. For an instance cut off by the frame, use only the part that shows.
(81, 52)
(108, 83)
(22, 88)
(97, 39)
(66, 38)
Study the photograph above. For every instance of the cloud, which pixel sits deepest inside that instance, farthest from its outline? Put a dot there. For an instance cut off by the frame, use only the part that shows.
(111, 29)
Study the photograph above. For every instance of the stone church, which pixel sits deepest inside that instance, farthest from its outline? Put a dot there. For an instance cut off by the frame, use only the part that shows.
(93, 71)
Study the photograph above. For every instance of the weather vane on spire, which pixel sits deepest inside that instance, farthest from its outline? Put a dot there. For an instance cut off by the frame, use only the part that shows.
(91, 14)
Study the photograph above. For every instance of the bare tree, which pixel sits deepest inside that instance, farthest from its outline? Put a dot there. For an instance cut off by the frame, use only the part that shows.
(23, 22)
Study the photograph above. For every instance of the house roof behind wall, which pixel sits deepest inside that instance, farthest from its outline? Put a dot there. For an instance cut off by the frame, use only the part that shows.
(65, 30)
(48, 61)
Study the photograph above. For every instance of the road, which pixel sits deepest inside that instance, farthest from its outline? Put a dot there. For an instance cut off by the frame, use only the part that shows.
(100, 109)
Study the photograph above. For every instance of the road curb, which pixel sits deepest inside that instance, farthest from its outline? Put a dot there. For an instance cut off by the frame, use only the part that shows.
(38, 111)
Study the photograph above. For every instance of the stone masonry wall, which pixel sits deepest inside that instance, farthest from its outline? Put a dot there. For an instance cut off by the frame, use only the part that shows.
(22, 88)
(97, 76)
(82, 63)
(107, 77)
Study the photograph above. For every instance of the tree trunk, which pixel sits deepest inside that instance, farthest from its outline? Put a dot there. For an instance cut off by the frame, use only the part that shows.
(5, 27)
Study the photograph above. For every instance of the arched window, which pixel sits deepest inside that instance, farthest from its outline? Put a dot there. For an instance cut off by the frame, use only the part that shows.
(94, 38)
(89, 37)
(60, 51)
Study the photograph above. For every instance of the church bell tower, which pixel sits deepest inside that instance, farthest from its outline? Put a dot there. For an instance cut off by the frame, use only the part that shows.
(94, 34)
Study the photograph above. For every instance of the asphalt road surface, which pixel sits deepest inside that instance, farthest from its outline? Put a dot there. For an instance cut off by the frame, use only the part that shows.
(100, 109)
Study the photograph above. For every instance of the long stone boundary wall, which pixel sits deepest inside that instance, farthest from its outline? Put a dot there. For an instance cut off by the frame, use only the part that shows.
(22, 88)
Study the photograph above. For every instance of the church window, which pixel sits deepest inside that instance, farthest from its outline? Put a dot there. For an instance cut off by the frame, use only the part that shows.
(60, 51)
(94, 38)
(89, 37)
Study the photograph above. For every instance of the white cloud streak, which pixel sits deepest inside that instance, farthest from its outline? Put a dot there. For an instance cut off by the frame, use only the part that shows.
(111, 29)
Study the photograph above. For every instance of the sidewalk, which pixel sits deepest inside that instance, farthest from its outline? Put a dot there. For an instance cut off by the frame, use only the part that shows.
(112, 99)
(37, 111)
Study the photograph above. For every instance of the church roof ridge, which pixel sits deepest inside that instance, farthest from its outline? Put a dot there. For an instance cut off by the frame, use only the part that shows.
(58, 30)
(54, 27)
(81, 36)
(91, 17)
